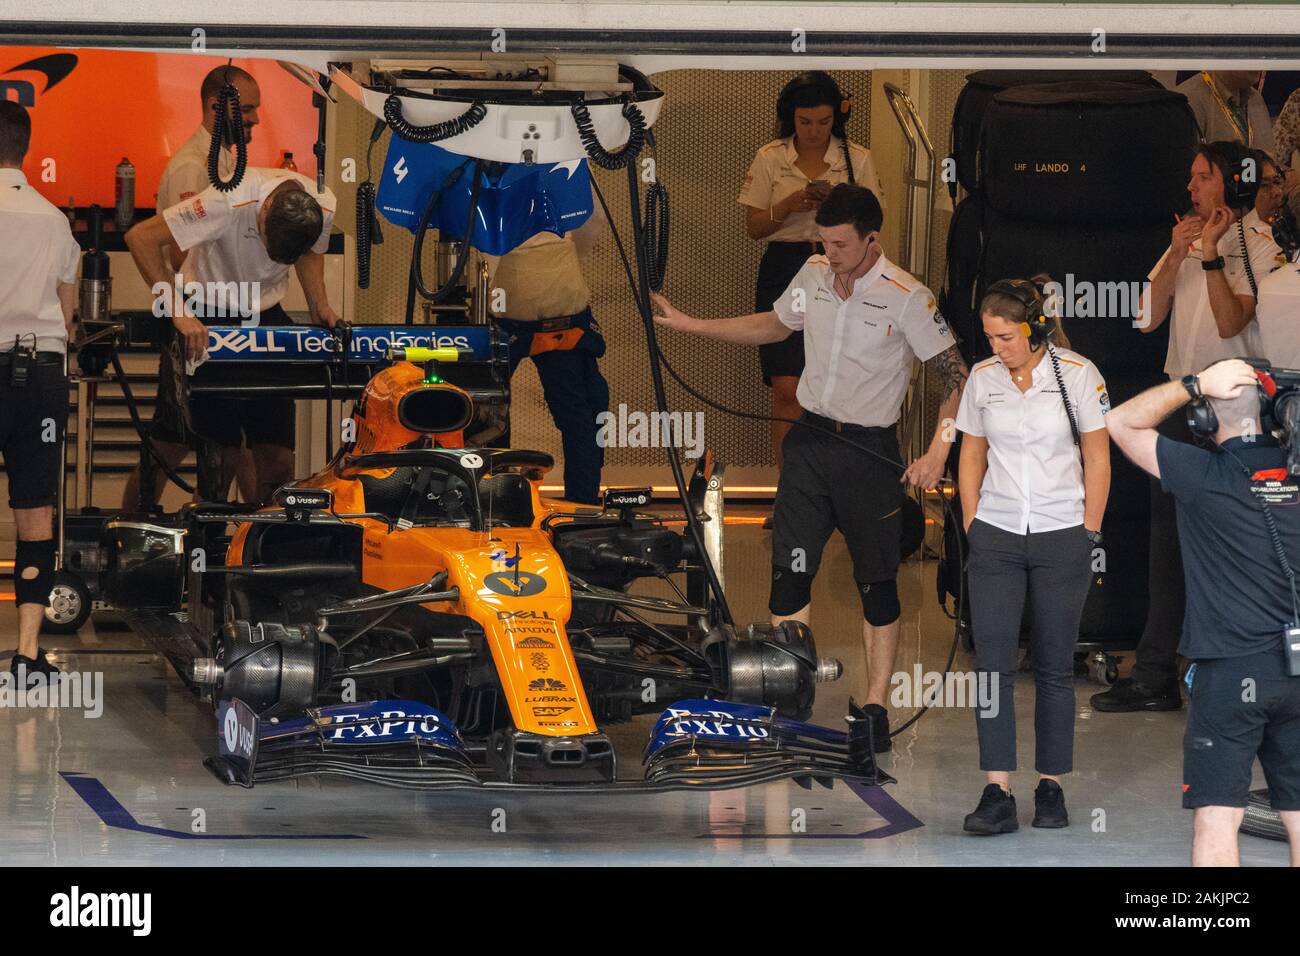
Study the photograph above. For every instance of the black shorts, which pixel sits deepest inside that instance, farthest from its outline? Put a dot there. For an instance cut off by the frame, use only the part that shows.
(33, 420)
(231, 422)
(826, 484)
(777, 269)
(1226, 732)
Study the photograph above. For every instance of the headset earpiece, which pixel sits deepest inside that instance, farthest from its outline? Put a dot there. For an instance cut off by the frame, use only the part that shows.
(1027, 329)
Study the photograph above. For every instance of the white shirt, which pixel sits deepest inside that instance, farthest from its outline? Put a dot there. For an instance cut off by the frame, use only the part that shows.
(773, 176)
(1034, 480)
(1194, 341)
(37, 253)
(219, 232)
(1278, 316)
(858, 351)
(186, 174)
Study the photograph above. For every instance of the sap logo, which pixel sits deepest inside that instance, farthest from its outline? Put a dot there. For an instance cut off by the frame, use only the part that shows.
(547, 683)
(55, 67)
(533, 642)
(523, 615)
(550, 711)
(237, 341)
(403, 726)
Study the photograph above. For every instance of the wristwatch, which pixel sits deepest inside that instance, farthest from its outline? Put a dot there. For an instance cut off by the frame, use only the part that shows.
(1094, 537)
(1193, 386)
(1211, 265)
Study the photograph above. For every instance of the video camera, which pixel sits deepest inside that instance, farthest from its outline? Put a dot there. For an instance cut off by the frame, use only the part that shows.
(1279, 407)
(1279, 410)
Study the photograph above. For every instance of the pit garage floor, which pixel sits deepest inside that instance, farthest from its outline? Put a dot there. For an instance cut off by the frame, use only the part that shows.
(129, 787)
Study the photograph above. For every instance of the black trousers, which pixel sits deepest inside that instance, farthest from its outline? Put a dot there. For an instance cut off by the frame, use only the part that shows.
(1157, 650)
(1051, 569)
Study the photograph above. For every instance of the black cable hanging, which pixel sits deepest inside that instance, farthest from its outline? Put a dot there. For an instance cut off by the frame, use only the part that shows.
(438, 131)
(591, 142)
(227, 130)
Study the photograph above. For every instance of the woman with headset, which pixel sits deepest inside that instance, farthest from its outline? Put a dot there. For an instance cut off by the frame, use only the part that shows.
(787, 181)
(1034, 475)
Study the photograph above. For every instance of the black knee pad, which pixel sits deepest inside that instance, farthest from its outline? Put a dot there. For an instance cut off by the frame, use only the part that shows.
(38, 555)
(791, 591)
(880, 602)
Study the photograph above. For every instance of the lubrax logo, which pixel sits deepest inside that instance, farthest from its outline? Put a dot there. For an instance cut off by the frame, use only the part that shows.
(76, 909)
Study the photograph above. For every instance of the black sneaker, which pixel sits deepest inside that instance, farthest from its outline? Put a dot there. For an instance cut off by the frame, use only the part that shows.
(1049, 806)
(995, 814)
(1128, 695)
(40, 665)
(879, 728)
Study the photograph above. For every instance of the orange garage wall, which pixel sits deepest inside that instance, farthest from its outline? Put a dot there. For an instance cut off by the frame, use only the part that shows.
(92, 107)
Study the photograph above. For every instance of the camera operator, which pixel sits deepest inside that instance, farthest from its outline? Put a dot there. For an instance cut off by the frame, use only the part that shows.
(1237, 508)
(1205, 288)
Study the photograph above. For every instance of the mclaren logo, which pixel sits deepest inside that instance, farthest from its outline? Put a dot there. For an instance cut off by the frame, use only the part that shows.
(515, 584)
(55, 67)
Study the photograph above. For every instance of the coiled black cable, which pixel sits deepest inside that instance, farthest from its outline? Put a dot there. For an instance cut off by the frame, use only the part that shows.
(591, 142)
(1245, 259)
(365, 222)
(227, 129)
(1065, 399)
(654, 234)
(438, 131)
(367, 226)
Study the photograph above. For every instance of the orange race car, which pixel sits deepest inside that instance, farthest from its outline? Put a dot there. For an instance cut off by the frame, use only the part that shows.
(417, 614)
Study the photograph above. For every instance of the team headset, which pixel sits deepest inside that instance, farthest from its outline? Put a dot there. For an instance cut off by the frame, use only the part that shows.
(1042, 312)
(1279, 410)
(1239, 192)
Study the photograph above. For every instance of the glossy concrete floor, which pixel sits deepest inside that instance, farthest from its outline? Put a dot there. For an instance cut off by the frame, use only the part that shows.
(129, 788)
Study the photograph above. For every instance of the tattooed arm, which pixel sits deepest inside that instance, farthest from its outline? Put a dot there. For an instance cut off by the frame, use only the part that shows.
(950, 370)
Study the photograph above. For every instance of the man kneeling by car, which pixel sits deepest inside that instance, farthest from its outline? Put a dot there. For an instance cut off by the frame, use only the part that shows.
(1239, 526)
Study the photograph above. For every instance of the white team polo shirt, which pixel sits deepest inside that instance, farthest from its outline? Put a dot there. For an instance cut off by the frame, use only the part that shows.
(186, 174)
(1276, 315)
(219, 232)
(1194, 341)
(37, 253)
(858, 351)
(773, 176)
(1034, 481)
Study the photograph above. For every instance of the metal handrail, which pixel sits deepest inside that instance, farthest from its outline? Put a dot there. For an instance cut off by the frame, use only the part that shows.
(915, 437)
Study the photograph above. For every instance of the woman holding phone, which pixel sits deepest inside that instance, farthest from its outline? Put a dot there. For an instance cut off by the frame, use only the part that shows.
(1034, 477)
(787, 181)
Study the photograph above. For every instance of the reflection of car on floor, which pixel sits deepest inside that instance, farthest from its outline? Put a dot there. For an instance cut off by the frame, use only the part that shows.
(416, 614)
